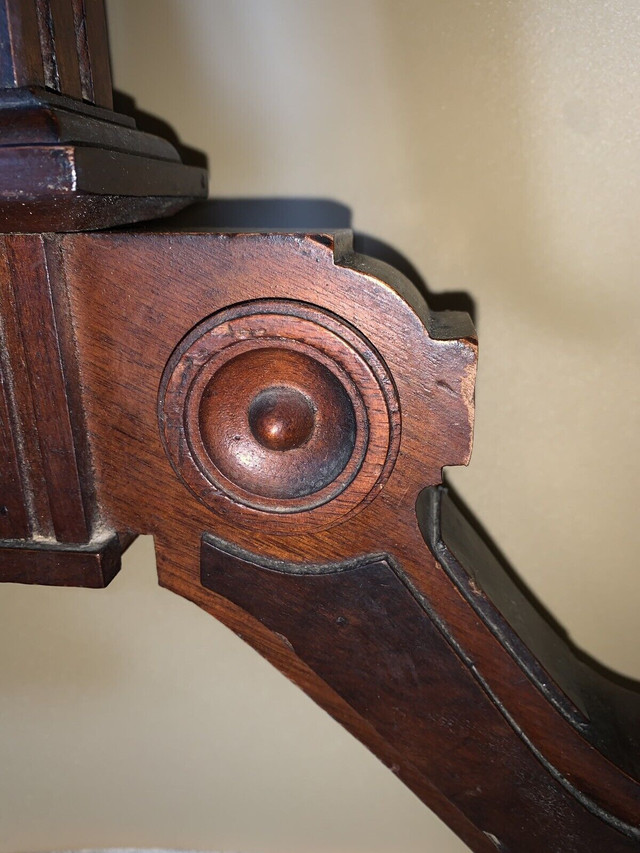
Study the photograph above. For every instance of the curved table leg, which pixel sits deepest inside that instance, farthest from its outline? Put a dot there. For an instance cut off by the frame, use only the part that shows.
(271, 408)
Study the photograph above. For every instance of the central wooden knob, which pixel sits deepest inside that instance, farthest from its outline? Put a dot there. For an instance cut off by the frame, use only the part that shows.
(281, 418)
(277, 423)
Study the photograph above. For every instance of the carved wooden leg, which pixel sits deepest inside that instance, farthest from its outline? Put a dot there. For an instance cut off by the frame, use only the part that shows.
(271, 408)
(277, 410)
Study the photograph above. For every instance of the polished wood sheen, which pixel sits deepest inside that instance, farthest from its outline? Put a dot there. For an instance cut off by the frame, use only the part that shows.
(228, 376)
(67, 160)
(281, 418)
(276, 410)
(268, 402)
(60, 45)
(363, 631)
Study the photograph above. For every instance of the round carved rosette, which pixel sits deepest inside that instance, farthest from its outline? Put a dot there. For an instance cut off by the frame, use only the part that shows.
(279, 411)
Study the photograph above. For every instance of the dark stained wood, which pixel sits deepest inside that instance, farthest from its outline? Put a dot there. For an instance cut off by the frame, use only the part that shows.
(35, 316)
(178, 325)
(21, 61)
(86, 178)
(69, 188)
(93, 50)
(87, 212)
(271, 408)
(62, 24)
(59, 44)
(34, 492)
(40, 98)
(49, 516)
(14, 518)
(297, 292)
(39, 178)
(47, 45)
(362, 631)
(44, 123)
(93, 566)
(58, 47)
(67, 161)
(605, 709)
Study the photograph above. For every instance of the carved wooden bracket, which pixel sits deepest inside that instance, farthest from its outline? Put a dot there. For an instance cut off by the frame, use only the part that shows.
(277, 410)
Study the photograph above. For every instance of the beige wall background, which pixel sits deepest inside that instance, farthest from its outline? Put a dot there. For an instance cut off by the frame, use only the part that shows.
(496, 144)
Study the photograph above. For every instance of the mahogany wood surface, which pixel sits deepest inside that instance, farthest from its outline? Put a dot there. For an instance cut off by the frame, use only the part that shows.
(67, 160)
(276, 410)
(151, 364)
(58, 44)
(364, 633)
(163, 365)
(65, 166)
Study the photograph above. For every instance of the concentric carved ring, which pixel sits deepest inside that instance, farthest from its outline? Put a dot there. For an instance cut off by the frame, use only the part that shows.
(280, 410)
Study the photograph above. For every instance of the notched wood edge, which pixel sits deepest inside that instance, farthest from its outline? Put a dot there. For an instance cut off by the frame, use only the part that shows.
(447, 327)
(92, 566)
(450, 328)
(440, 325)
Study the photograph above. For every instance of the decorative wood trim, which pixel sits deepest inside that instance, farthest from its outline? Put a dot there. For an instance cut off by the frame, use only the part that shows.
(226, 366)
(59, 44)
(42, 377)
(294, 398)
(67, 161)
(21, 63)
(361, 629)
(14, 517)
(93, 565)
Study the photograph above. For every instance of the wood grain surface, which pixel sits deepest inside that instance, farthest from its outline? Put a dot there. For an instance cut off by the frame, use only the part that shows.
(58, 44)
(166, 305)
(67, 160)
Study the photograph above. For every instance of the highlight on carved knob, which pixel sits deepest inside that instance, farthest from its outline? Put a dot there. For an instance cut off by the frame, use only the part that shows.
(279, 410)
(281, 418)
(277, 423)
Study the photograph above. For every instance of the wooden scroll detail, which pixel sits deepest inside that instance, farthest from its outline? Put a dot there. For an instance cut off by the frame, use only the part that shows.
(365, 633)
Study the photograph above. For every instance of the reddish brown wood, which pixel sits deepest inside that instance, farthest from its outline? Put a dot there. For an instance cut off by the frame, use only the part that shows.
(362, 631)
(218, 372)
(270, 407)
(14, 519)
(606, 710)
(283, 418)
(93, 51)
(178, 500)
(93, 565)
(181, 327)
(67, 161)
(277, 423)
(49, 515)
(26, 258)
(59, 44)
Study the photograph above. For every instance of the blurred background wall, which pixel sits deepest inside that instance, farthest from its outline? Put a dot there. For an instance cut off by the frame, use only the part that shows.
(494, 143)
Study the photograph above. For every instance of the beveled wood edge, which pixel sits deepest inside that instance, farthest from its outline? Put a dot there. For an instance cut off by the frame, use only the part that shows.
(93, 566)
